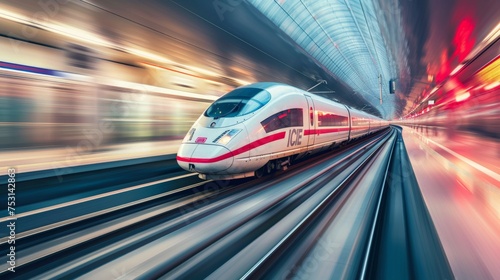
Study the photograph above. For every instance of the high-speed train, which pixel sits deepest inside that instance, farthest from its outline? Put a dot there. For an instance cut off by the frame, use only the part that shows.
(262, 127)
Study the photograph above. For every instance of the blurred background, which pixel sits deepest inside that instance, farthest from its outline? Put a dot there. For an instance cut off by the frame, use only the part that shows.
(128, 80)
(97, 95)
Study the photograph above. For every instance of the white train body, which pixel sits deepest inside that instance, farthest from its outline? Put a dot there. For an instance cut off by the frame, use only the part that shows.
(265, 125)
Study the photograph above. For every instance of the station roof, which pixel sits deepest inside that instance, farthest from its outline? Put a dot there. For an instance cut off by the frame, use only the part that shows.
(346, 37)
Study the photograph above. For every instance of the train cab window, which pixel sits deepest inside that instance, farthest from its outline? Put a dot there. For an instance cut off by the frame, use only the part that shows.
(238, 102)
(286, 118)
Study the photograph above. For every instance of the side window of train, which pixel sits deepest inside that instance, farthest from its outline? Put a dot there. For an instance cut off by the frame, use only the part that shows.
(330, 119)
(286, 118)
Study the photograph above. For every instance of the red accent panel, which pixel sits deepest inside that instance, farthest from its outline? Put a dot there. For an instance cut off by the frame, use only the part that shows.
(201, 140)
(246, 148)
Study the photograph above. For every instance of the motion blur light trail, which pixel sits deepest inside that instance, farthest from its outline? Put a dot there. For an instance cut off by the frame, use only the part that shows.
(153, 229)
(462, 191)
(95, 97)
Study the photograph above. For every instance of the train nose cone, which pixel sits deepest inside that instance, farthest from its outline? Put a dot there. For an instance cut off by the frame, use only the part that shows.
(203, 158)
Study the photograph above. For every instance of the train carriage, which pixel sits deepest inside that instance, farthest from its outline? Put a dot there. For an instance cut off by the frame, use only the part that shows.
(260, 127)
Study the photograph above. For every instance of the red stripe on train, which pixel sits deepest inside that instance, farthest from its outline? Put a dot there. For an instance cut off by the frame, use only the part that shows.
(246, 148)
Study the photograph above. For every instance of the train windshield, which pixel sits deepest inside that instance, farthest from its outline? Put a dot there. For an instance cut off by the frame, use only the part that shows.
(238, 102)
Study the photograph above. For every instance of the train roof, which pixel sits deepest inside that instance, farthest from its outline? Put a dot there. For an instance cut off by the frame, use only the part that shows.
(266, 85)
(270, 85)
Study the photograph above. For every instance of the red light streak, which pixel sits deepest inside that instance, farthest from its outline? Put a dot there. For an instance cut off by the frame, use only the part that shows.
(463, 40)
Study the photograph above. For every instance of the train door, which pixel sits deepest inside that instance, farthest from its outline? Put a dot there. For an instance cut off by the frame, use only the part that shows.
(311, 123)
(350, 123)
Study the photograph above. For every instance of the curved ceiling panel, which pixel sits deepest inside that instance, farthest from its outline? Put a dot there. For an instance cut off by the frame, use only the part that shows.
(345, 37)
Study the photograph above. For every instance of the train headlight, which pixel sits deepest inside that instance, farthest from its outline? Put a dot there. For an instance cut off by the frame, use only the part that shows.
(226, 136)
(190, 134)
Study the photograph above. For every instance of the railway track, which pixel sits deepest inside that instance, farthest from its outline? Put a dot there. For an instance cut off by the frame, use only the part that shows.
(329, 209)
